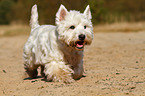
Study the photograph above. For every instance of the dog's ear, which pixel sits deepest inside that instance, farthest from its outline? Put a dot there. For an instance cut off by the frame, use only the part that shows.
(87, 12)
(62, 12)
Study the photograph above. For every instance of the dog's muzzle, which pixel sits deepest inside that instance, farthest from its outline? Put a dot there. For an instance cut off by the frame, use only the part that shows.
(79, 45)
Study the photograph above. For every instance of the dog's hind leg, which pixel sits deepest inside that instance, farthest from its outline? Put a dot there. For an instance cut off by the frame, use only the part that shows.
(42, 71)
(31, 70)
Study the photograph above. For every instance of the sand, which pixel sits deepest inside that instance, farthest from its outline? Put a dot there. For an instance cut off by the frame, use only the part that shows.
(114, 66)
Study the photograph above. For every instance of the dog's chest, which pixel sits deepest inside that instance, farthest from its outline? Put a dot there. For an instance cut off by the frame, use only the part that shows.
(73, 58)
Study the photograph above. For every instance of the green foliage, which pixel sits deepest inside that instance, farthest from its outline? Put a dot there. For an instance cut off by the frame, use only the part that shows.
(103, 11)
(5, 8)
(124, 10)
(97, 9)
(46, 8)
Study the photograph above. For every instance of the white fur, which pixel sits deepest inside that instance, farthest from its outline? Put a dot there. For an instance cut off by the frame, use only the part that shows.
(34, 17)
(53, 47)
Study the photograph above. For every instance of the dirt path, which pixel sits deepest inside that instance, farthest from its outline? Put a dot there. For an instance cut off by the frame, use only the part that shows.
(114, 65)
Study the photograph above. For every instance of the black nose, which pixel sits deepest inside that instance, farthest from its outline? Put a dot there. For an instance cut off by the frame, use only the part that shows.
(82, 37)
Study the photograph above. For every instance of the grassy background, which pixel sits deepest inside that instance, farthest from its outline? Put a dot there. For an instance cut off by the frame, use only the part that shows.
(108, 15)
(14, 30)
(103, 11)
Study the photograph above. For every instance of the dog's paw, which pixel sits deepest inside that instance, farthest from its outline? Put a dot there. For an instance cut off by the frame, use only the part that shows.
(59, 76)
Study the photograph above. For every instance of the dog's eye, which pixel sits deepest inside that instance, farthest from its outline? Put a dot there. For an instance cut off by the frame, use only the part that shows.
(85, 27)
(72, 27)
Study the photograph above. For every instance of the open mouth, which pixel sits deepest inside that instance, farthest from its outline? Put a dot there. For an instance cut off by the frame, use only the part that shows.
(79, 45)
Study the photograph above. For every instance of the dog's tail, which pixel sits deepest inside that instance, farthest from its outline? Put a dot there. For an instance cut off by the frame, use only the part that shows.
(34, 17)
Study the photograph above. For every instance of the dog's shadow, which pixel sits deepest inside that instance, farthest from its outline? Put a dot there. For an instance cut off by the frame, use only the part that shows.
(37, 78)
(44, 79)
(28, 78)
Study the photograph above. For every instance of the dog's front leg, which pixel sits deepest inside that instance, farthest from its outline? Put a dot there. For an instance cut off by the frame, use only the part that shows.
(78, 71)
(58, 72)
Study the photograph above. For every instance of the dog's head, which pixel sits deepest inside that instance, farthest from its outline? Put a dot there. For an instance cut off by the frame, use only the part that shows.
(74, 28)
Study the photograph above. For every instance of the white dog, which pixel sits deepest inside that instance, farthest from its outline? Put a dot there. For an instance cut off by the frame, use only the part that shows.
(58, 49)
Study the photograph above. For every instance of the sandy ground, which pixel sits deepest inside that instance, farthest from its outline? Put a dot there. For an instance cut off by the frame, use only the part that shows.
(114, 65)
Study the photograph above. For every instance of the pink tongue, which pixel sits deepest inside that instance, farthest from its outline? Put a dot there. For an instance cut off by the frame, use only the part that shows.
(79, 45)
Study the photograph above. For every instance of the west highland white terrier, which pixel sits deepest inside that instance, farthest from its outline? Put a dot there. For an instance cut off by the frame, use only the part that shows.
(58, 50)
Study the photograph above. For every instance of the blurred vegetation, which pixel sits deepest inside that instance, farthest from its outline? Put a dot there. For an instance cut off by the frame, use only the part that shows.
(103, 11)
(5, 9)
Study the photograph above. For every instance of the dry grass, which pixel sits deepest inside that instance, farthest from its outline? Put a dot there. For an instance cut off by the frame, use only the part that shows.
(121, 27)
(13, 30)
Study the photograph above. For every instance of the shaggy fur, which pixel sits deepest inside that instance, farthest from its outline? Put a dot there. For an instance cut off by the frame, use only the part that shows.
(58, 49)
